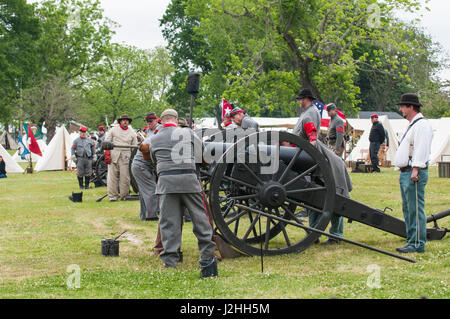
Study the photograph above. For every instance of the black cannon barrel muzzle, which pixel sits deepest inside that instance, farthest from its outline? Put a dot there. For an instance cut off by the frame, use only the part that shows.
(438, 216)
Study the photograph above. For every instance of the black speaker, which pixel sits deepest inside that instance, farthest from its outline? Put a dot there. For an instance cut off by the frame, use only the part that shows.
(193, 83)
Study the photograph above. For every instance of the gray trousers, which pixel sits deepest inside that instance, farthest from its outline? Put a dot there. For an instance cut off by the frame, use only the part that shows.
(171, 220)
(84, 166)
(147, 188)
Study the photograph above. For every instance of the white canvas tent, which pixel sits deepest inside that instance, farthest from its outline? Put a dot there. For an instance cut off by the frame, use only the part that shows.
(10, 164)
(6, 139)
(363, 143)
(57, 152)
(440, 147)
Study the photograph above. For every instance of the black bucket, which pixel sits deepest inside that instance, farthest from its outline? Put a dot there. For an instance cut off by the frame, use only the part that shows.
(209, 268)
(76, 197)
(110, 247)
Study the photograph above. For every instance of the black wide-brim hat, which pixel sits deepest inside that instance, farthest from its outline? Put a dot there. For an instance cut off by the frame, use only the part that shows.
(409, 99)
(305, 93)
(124, 117)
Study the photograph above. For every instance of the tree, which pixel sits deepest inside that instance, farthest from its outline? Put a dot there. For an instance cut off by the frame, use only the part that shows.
(187, 52)
(130, 81)
(19, 32)
(52, 100)
(381, 87)
(75, 37)
(263, 52)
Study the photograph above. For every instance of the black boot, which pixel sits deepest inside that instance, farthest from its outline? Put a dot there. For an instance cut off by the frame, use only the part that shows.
(80, 182)
(86, 182)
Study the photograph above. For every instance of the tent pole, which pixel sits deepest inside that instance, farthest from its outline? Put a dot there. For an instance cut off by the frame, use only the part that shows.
(64, 168)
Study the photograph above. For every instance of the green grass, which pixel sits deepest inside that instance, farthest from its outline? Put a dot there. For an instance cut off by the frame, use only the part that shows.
(42, 233)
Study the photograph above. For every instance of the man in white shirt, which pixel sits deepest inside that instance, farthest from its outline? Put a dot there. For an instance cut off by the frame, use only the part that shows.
(412, 158)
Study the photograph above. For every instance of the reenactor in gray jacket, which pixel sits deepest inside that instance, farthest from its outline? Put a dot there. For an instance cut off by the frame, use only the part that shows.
(335, 131)
(82, 153)
(308, 127)
(144, 173)
(178, 186)
(243, 120)
(308, 123)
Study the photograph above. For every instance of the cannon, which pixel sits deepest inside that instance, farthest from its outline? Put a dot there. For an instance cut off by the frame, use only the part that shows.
(259, 208)
(260, 211)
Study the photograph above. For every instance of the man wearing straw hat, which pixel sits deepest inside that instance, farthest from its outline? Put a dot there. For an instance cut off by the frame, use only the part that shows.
(118, 179)
(412, 158)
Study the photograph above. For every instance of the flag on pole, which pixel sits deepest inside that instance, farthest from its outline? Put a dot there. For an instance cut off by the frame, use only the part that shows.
(34, 146)
(226, 108)
(37, 132)
(325, 121)
(22, 149)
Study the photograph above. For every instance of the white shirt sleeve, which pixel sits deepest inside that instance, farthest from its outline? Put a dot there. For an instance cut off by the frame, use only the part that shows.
(423, 135)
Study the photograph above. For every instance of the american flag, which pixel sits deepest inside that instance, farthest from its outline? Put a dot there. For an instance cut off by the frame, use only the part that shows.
(325, 122)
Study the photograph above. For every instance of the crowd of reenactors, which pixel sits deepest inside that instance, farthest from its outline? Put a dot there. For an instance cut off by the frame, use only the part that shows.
(171, 192)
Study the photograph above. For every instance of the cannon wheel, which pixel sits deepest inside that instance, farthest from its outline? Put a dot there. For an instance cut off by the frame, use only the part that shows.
(101, 170)
(253, 233)
(133, 183)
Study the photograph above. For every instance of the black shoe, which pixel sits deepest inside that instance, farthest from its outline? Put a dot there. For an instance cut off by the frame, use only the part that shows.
(209, 268)
(317, 241)
(180, 256)
(152, 218)
(410, 249)
(331, 242)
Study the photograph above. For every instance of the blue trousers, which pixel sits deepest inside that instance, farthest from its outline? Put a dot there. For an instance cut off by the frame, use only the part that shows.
(416, 224)
(337, 223)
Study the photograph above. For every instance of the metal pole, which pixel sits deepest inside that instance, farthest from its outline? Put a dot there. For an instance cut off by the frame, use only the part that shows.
(191, 110)
(324, 233)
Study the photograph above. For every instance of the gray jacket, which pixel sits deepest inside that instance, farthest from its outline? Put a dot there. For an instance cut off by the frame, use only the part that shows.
(83, 147)
(311, 114)
(248, 122)
(176, 149)
(336, 132)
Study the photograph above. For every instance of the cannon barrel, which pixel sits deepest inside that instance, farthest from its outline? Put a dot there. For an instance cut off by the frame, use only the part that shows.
(438, 216)
(107, 146)
(303, 162)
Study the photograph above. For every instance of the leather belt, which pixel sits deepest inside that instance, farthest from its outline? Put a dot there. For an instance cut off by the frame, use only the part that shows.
(178, 172)
(408, 168)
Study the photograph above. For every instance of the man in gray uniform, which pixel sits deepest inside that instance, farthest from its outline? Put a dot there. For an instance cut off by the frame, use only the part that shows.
(82, 153)
(101, 138)
(174, 149)
(243, 120)
(335, 131)
(144, 173)
(308, 126)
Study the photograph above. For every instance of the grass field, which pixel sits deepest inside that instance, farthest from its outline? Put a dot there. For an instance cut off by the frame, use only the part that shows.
(42, 234)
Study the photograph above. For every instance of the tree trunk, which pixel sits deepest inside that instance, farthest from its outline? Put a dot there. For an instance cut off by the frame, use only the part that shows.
(307, 82)
(51, 130)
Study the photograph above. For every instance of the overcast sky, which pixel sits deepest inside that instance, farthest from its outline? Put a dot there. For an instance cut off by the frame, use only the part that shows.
(139, 25)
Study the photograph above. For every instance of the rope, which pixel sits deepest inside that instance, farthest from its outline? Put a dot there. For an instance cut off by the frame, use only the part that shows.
(417, 244)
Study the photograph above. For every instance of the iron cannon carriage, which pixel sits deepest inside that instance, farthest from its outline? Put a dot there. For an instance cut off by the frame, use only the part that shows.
(259, 193)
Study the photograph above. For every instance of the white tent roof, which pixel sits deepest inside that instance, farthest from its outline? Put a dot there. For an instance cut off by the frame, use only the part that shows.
(10, 164)
(54, 158)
